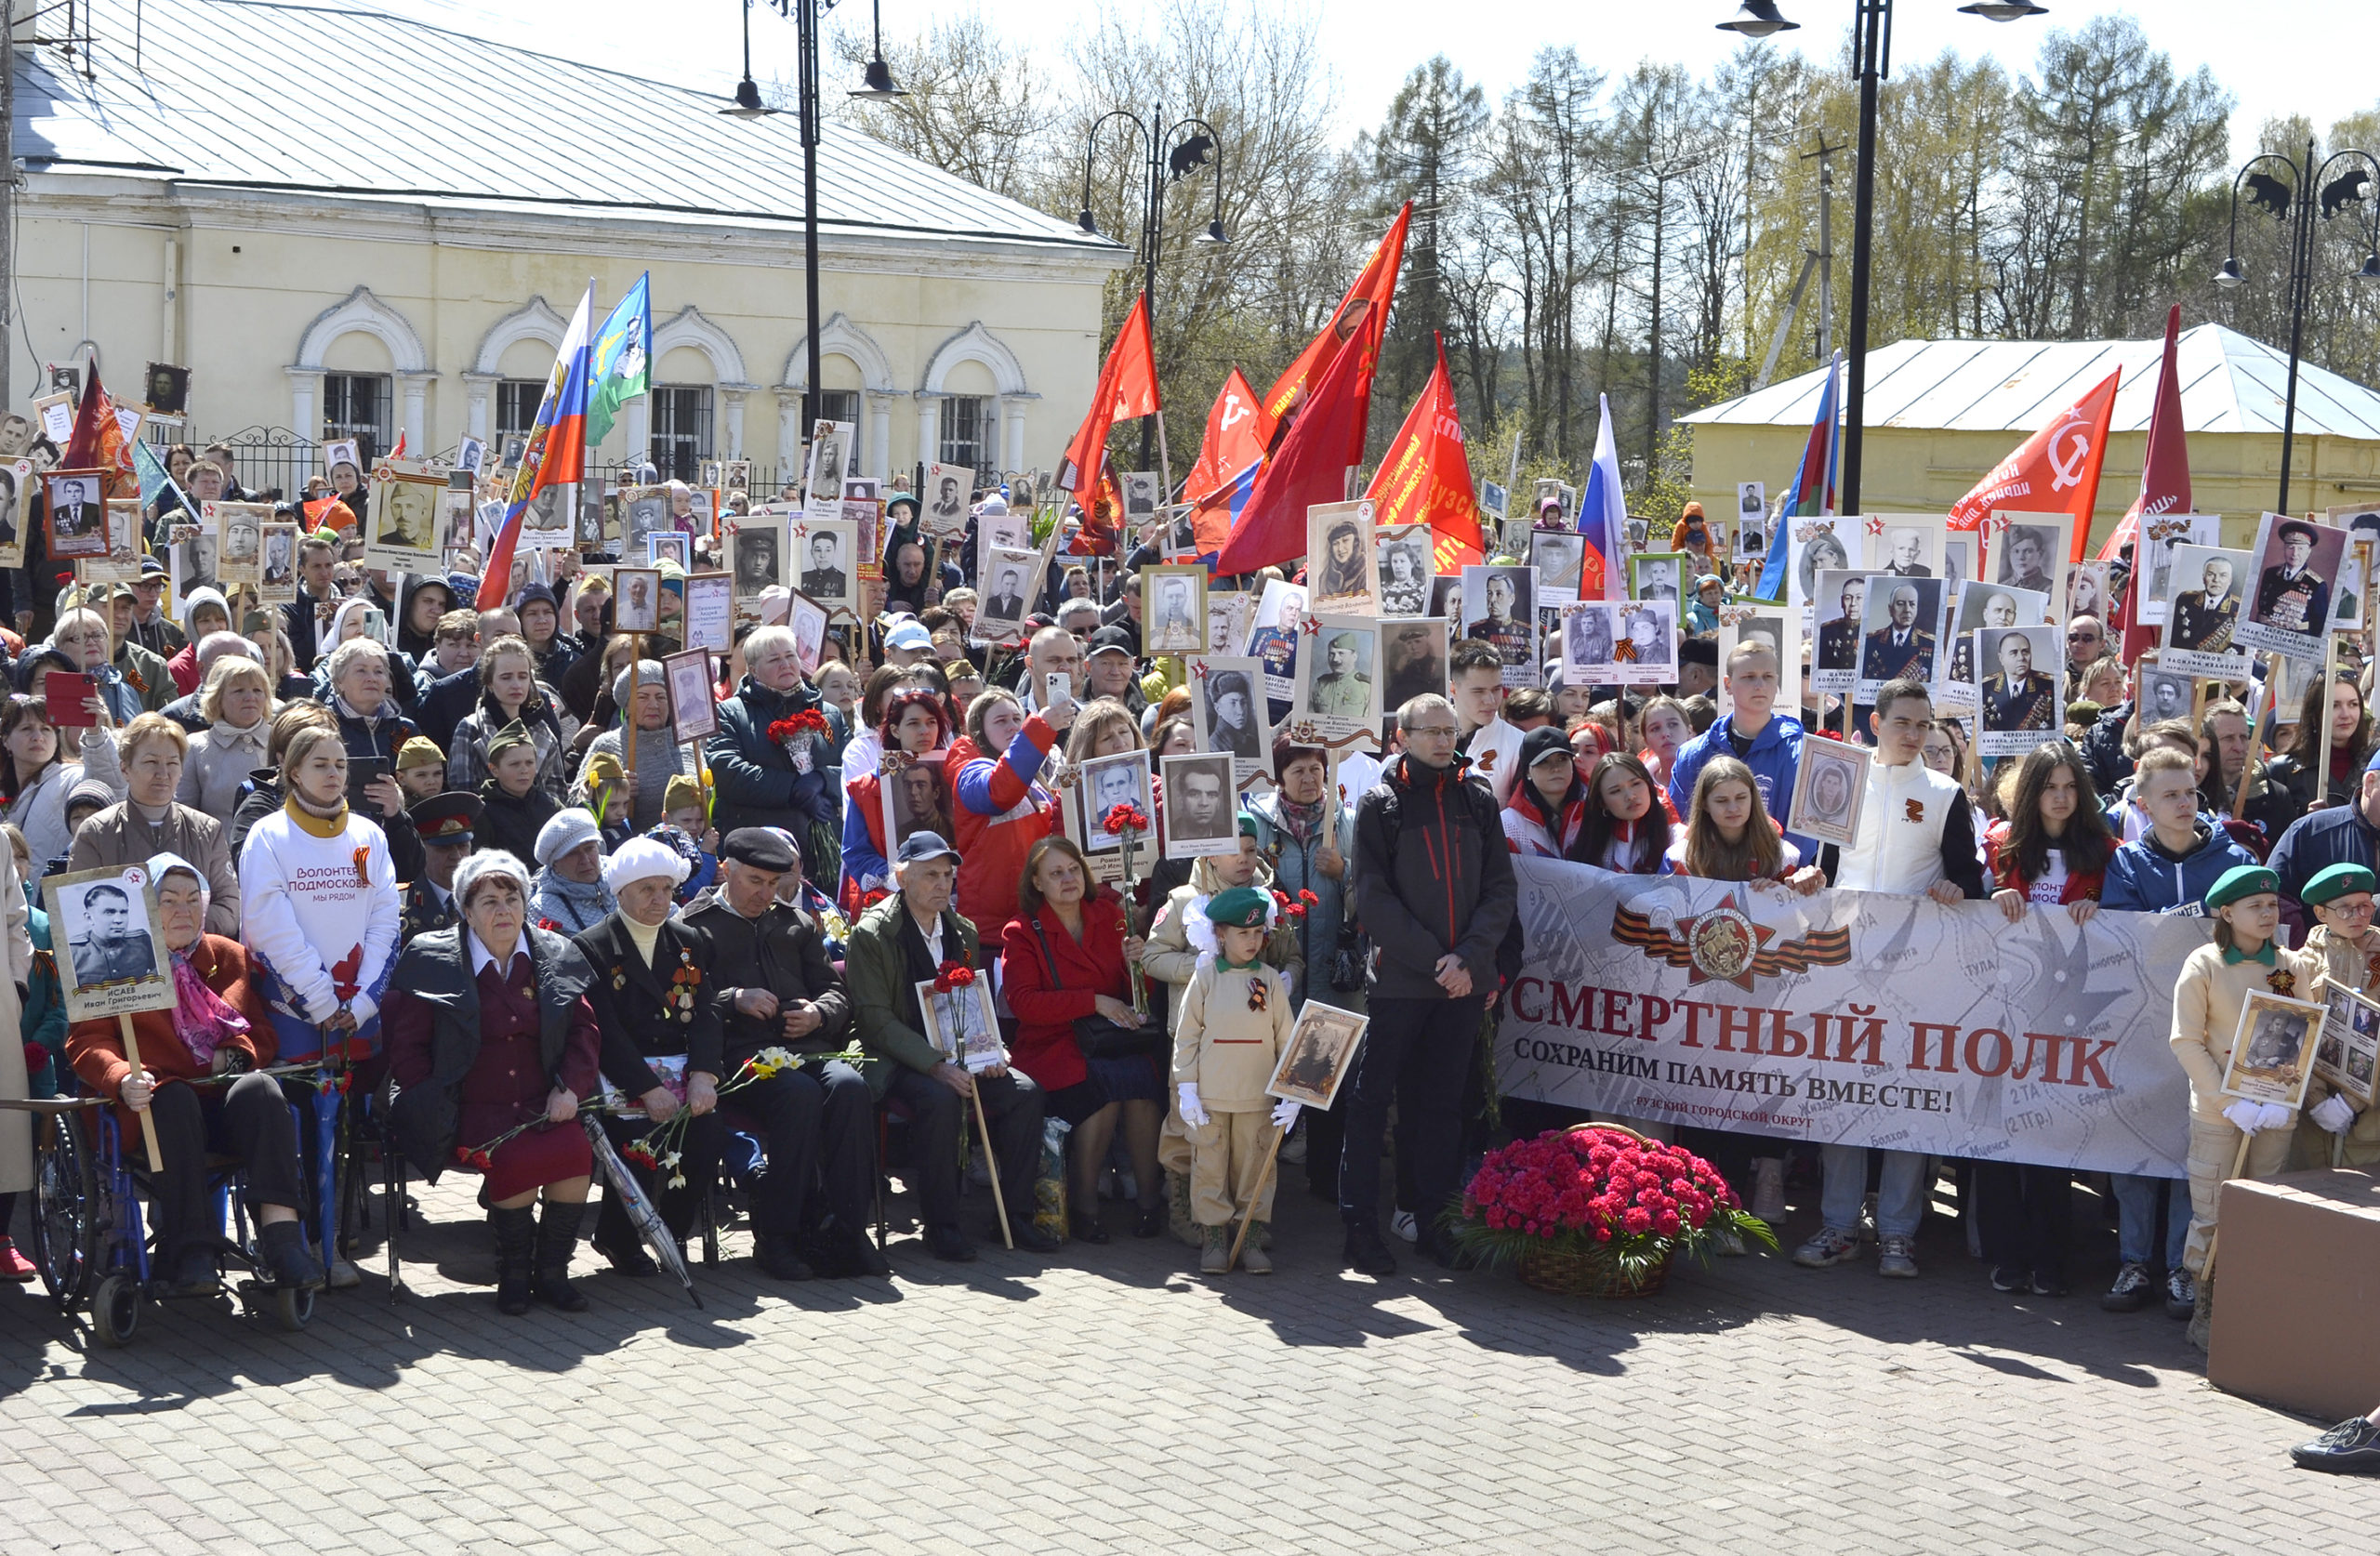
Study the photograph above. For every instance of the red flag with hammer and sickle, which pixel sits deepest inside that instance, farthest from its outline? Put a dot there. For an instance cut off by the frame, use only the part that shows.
(2056, 471)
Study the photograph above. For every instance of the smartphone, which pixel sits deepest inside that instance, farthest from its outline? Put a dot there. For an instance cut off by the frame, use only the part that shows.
(361, 772)
(1057, 689)
(66, 693)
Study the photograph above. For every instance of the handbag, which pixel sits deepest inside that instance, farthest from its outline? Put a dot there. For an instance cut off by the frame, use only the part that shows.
(1095, 1035)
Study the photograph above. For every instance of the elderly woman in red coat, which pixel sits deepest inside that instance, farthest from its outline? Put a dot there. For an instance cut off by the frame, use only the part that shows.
(1064, 957)
(216, 1032)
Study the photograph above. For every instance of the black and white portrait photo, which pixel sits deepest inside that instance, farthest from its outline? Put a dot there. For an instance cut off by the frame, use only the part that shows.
(1228, 700)
(1405, 565)
(1201, 814)
(1318, 1055)
(111, 942)
(1559, 556)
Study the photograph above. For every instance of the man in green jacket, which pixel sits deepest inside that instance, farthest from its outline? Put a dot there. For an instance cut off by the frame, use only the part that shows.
(913, 938)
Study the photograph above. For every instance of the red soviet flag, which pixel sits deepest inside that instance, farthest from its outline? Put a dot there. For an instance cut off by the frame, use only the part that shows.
(1361, 319)
(1126, 391)
(1425, 477)
(2056, 471)
(2164, 487)
(98, 440)
(1309, 466)
(1237, 434)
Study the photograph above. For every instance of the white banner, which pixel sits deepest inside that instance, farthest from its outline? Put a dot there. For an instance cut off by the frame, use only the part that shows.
(1851, 1017)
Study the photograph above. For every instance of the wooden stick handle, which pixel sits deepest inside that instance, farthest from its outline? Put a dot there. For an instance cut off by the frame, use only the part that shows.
(1000, 1201)
(2238, 1164)
(1263, 1181)
(148, 1114)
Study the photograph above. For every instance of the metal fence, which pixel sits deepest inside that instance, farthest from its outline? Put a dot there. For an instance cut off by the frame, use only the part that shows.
(275, 462)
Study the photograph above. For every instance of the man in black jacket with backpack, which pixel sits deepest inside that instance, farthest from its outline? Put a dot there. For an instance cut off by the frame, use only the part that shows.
(1436, 892)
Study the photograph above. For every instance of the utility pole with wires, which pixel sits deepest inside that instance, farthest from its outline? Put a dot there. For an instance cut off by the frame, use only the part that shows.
(1821, 260)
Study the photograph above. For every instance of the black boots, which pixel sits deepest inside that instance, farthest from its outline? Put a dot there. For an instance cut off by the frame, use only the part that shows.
(516, 1244)
(557, 1239)
(288, 1258)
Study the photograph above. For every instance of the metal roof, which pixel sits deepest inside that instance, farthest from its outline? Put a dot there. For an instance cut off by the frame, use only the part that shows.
(2230, 382)
(338, 101)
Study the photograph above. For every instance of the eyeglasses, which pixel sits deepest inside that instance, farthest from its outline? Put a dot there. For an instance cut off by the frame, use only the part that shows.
(2081, 637)
(1444, 732)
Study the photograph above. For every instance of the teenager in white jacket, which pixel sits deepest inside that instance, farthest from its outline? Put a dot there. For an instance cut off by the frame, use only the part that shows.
(1916, 837)
(319, 902)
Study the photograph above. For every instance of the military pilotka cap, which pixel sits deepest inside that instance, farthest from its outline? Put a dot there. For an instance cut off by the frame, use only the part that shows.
(1241, 907)
(2241, 880)
(2335, 882)
(447, 818)
(760, 849)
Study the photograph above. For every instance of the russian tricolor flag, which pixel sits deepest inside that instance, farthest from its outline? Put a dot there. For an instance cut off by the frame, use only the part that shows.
(1603, 519)
(557, 449)
(1813, 490)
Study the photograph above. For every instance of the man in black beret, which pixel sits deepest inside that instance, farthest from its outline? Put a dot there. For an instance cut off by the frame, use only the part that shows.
(779, 995)
(445, 821)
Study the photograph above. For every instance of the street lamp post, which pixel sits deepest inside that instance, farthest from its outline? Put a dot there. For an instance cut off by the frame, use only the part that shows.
(1872, 46)
(876, 84)
(2295, 200)
(1191, 153)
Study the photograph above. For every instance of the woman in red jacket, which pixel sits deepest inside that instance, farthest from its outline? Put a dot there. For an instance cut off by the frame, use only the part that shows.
(1002, 809)
(1064, 957)
(2053, 850)
(2055, 846)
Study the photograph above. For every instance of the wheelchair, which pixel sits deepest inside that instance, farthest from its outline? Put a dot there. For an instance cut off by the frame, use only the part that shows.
(90, 1241)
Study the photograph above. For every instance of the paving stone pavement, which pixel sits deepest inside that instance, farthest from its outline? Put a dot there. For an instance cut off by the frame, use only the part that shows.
(1105, 1399)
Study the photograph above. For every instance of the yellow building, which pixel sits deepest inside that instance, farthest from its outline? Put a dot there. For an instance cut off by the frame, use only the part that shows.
(347, 224)
(1941, 413)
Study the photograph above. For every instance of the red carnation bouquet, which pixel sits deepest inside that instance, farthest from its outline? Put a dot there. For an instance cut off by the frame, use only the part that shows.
(1604, 1196)
(1123, 818)
(795, 733)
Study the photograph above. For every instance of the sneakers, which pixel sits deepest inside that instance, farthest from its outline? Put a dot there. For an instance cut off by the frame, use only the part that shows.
(13, 1266)
(1832, 1246)
(2348, 1448)
(1405, 1226)
(1896, 1259)
(1768, 1191)
(2130, 1294)
(2181, 1294)
(344, 1275)
(2049, 1283)
(1215, 1254)
(2007, 1278)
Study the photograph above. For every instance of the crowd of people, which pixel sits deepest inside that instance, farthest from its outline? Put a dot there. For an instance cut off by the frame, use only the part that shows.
(538, 900)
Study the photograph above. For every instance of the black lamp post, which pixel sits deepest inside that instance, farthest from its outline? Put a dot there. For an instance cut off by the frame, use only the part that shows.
(1188, 154)
(877, 84)
(1872, 45)
(2295, 200)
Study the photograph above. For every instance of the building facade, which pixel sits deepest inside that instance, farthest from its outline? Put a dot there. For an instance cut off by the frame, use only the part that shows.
(402, 255)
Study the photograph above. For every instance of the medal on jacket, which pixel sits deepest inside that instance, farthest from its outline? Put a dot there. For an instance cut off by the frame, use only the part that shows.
(1913, 810)
(2280, 981)
(1258, 999)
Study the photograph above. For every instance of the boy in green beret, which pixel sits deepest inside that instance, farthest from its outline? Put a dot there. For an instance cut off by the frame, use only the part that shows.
(1235, 1021)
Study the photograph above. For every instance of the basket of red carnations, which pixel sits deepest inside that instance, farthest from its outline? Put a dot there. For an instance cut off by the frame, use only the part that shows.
(1598, 1210)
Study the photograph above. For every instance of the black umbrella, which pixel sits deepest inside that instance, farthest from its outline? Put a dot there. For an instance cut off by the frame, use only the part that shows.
(640, 1213)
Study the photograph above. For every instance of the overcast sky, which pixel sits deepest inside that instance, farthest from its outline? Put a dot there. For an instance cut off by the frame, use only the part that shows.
(2272, 62)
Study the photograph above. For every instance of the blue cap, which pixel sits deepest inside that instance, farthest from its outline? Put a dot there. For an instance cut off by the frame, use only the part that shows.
(919, 846)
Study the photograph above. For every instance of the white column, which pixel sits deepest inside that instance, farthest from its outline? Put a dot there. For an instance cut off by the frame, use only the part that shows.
(732, 420)
(929, 427)
(305, 395)
(879, 435)
(638, 422)
(476, 388)
(417, 407)
(1011, 431)
(788, 433)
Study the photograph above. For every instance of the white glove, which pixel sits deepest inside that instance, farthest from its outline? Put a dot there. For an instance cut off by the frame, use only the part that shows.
(1192, 1114)
(2333, 1114)
(2246, 1115)
(1286, 1114)
(2278, 1117)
